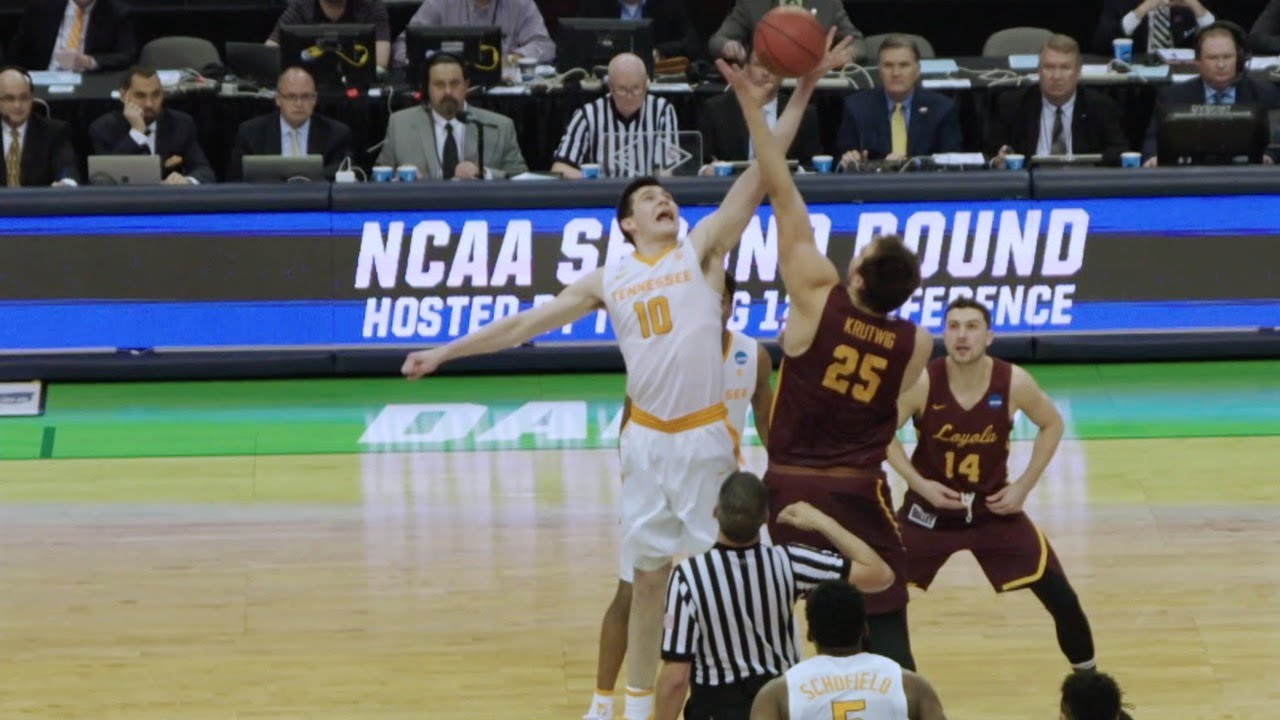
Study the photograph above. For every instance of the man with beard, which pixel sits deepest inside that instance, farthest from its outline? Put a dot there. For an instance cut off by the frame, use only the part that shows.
(958, 496)
(144, 126)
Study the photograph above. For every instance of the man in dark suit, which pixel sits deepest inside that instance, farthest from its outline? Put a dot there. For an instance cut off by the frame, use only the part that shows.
(731, 40)
(36, 150)
(145, 127)
(294, 130)
(724, 131)
(76, 35)
(1221, 82)
(900, 120)
(1153, 24)
(1057, 116)
(673, 34)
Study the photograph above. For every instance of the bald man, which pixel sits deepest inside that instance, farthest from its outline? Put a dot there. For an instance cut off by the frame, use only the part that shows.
(293, 130)
(37, 150)
(625, 132)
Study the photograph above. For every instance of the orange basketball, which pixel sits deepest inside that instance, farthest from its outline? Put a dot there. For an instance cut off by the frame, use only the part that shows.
(790, 41)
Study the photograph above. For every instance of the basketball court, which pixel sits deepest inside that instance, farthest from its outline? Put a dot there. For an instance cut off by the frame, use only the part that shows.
(444, 549)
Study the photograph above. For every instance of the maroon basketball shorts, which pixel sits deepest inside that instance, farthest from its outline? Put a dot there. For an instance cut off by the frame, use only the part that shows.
(857, 499)
(1010, 549)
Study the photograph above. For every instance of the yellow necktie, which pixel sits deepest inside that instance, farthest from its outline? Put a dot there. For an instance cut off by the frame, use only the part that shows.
(77, 30)
(898, 131)
(13, 160)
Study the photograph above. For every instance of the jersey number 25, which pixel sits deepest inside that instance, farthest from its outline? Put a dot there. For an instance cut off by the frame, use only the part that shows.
(845, 361)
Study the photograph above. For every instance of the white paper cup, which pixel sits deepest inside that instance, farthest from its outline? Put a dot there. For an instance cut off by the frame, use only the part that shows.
(590, 171)
(407, 173)
(1122, 49)
(383, 173)
(1130, 159)
(822, 164)
(1014, 162)
(720, 168)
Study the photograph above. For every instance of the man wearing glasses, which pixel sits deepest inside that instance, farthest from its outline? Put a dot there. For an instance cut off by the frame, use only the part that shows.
(295, 130)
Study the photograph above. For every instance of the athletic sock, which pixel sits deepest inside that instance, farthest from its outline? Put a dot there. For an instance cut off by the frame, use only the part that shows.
(639, 704)
(1087, 666)
(601, 705)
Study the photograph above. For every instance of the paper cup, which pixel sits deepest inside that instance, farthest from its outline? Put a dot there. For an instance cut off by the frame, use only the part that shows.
(822, 164)
(383, 173)
(722, 168)
(590, 171)
(1122, 48)
(1014, 162)
(528, 69)
(1131, 159)
(407, 173)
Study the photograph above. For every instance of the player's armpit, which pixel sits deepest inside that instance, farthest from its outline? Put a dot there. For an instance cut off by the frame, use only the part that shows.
(771, 701)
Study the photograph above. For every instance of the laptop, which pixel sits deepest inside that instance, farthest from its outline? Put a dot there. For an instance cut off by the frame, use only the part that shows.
(279, 169)
(1083, 160)
(254, 61)
(124, 169)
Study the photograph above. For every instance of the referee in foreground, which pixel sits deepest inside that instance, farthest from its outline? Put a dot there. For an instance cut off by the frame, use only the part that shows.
(729, 622)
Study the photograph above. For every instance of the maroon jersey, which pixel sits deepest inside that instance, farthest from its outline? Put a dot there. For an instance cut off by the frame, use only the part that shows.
(967, 450)
(837, 404)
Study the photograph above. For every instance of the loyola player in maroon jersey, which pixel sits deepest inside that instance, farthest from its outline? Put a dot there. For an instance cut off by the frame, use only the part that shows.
(959, 497)
(845, 364)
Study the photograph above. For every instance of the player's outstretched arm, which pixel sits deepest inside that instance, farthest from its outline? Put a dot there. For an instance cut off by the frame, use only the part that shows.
(867, 570)
(918, 362)
(771, 702)
(762, 397)
(576, 300)
(922, 700)
(1027, 396)
(715, 235)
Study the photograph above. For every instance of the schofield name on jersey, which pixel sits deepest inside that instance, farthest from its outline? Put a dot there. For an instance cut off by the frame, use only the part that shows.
(832, 684)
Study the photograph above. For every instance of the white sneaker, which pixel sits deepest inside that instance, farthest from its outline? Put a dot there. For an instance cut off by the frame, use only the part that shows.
(599, 711)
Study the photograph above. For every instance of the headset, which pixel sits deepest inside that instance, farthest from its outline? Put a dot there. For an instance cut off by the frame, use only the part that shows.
(1237, 36)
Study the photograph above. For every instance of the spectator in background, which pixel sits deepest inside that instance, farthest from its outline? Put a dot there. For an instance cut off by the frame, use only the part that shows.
(1091, 696)
(1264, 38)
(524, 33)
(1218, 56)
(724, 131)
(439, 143)
(731, 40)
(1153, 24)
(74, 35)
(144, 126)
(37, 150)
(363, 12)
(293, 130)
(900, 120)
(1057, 116)
(625, 132)
(673, 33)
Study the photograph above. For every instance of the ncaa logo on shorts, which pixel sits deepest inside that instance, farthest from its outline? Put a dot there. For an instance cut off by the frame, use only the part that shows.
(740, 357)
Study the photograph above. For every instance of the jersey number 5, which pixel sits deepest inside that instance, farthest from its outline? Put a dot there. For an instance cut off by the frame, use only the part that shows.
(845, 363)
(844, 709)
(654, 316)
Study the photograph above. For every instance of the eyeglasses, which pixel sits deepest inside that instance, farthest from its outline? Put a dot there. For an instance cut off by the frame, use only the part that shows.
(25, 98)
(300, 97)
(629, 92)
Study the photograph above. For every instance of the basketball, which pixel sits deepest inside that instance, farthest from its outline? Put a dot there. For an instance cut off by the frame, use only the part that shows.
(790, 41)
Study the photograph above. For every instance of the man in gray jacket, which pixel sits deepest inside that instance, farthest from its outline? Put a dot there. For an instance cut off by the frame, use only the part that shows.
(441, 136)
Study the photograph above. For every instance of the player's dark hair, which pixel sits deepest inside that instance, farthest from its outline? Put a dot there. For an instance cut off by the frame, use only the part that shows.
(142, 71)
(837, 615)
(1090, 696)
(742, 507)
(890, 273)
(730, 284)
(624, 202)
(968, 303)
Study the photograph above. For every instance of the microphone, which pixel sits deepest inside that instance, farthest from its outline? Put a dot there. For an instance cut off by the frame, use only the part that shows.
(466, 117)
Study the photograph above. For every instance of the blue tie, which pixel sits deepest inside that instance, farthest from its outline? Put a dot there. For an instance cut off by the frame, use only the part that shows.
(1220, 97)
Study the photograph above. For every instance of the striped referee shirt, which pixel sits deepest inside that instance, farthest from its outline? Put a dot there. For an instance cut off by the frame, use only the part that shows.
(622, 146)
(729, 610)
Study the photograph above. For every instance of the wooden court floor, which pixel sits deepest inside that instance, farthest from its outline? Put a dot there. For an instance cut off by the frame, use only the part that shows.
(465, 586)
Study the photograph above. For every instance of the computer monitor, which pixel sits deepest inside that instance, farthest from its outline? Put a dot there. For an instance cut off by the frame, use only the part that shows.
(1211, 135)
(279, 169)
(479, 49)
(588, 43)
(254, 62)
(338, 56)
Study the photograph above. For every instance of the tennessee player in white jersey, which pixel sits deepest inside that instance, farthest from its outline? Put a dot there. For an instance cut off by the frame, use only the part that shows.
(746, 369)
(662, 300)
(842, 681)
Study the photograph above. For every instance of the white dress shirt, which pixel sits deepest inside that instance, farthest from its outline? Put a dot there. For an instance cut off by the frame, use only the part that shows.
(1130, 22)
(770, 118)
(303, 131)
(1048, 114)
(459, 136)
(69, 19)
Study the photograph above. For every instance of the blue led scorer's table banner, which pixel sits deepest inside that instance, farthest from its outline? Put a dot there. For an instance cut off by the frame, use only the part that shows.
(333, 279)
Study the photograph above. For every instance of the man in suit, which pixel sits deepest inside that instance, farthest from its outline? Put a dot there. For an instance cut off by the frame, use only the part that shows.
(37, 150)
(294, 130)
(731, 40)
(1219, 59)
(724, 131)
(674, 35)
(144, 126)
(900, 120)
(441, 141)
(1153, 24)
(75, 35)
(1057, 116)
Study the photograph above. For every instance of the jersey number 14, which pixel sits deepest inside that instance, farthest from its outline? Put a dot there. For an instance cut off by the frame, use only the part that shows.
(845, 362)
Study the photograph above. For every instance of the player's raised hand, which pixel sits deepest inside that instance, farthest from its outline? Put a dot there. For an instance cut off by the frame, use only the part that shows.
(422, 362)
(837, 56)
(939, 495)
(803, 516)
(750, 95)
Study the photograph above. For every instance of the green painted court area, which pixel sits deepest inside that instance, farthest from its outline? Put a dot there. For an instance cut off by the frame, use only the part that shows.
(1208, 399)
